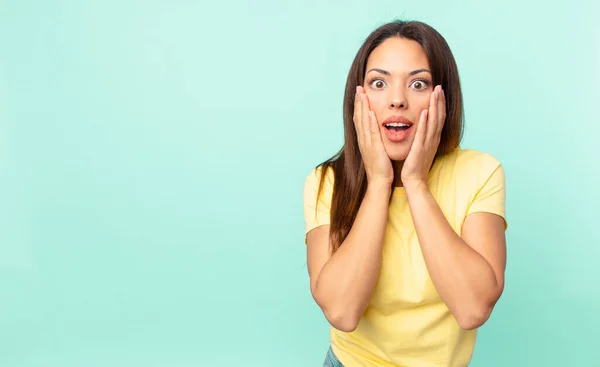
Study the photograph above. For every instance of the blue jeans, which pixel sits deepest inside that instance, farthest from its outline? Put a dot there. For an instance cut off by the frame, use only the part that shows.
(331, 360)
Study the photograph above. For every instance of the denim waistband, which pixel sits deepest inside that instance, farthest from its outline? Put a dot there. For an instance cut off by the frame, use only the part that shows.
(331, 360)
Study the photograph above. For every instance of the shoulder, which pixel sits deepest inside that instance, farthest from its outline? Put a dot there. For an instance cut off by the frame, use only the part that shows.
(316, 189)
(314, 176)
(317, 197)
(470, 162)
(468, 171)
(471, 157)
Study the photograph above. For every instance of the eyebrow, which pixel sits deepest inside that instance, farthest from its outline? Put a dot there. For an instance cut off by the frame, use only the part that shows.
(385, 72)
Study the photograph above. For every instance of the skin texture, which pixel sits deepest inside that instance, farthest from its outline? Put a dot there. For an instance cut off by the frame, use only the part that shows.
(467, 270)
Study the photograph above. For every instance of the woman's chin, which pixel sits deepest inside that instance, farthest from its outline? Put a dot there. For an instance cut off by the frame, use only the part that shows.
(397, 154)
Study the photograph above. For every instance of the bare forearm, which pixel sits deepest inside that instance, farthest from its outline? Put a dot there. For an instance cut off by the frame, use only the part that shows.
(347, 280)
(464, 279)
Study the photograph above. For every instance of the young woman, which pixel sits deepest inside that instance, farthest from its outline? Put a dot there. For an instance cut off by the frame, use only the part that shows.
(405, 230)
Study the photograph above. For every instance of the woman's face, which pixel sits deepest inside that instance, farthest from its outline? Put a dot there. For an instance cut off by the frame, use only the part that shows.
(399, 84)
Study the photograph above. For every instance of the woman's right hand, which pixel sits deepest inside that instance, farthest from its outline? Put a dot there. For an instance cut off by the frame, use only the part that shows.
(375, 159)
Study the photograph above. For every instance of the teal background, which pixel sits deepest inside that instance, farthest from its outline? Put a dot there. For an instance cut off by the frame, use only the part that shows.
(153, 155)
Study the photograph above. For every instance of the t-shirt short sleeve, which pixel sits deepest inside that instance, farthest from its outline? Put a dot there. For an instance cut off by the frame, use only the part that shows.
(316, 209)
(490, 194)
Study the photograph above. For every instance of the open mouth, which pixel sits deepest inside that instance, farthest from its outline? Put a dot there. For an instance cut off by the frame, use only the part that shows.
(397, 127)
(397, 131)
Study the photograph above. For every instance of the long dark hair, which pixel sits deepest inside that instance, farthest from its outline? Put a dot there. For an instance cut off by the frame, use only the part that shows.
(350, 179)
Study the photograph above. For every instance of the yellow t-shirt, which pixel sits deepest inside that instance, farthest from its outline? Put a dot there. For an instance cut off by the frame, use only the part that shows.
(406, 322)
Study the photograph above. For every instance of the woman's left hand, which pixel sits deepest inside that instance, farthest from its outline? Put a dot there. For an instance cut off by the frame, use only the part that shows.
(415, 170)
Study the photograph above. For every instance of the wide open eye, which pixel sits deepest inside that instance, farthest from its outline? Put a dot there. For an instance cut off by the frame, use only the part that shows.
(377, 84)
(419, 84)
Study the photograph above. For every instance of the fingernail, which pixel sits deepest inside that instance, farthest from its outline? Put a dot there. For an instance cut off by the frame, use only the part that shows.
(357, 88)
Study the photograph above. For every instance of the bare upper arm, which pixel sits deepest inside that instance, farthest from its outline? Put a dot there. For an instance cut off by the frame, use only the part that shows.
(317, 253)
(485, 233)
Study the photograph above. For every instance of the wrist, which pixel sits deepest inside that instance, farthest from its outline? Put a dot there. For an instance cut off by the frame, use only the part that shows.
(415, 186)
(379, 186)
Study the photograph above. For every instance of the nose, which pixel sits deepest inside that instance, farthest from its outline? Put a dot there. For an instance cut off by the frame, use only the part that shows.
(398, 101)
